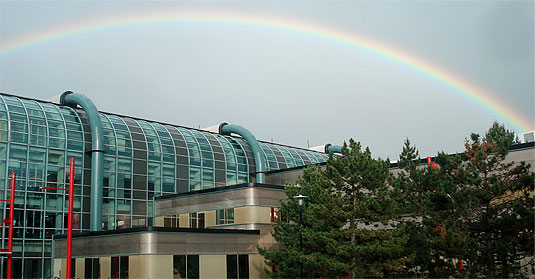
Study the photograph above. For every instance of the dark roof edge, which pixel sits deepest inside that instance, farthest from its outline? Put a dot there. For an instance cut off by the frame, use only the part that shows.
(158, 229)
(221, 189)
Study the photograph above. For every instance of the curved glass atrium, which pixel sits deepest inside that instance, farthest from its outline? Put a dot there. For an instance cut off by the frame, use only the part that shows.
(142, 159)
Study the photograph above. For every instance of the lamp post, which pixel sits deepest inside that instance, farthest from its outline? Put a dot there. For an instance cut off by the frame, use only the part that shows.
(300, 198)
(69, 216)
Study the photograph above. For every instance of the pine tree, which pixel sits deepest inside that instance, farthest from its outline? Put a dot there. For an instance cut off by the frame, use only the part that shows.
(501, 219)
(475, 209)
(349, 221)
(372, 243)
(320, 226)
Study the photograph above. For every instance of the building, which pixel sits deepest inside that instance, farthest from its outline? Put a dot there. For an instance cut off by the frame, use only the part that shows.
(152, 200)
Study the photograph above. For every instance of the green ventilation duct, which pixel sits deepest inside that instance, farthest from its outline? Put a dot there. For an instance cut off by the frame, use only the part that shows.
(333, 148)
(97, 153)
(259, 158)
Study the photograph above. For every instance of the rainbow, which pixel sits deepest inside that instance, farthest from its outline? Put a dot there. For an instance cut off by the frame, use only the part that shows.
(458, 86)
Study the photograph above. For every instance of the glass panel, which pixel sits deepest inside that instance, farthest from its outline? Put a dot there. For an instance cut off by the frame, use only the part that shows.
(38, 140)
(109, 163)
(109, 180)
(124, 180)
(123, 273)
(179, 266)
(18, 152)
(114, 272)
(243, 266)
(232, 266)
(168, 185)
(56, 157)
(123, 206)
(230, 215)
(36, 172)
(56, 143)
(19, 127)
(124, 165)
(192, 266)
(154, 169)
(18, 137)
(37, 130)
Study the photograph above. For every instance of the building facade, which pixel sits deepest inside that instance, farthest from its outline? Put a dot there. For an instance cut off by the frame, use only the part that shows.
(142, 159)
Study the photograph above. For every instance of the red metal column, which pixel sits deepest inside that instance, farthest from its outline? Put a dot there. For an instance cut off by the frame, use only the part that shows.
(69, 218)
(10, 235)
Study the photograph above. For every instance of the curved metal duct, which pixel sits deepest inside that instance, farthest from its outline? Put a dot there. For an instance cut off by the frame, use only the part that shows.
(71, 99)
(260, 159)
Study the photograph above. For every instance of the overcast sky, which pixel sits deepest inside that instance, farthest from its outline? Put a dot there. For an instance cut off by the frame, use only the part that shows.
(288, 87)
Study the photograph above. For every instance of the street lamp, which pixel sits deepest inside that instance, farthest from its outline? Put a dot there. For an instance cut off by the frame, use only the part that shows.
(300, 199)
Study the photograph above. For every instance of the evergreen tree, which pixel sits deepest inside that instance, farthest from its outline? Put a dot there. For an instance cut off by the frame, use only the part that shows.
(372, 244)
(475, 209)
(431, 202)
(501, 219)
(322, 219)
(347, 221)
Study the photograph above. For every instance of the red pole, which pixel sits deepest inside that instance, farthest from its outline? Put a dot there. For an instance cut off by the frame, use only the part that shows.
(69, 218)
(10, 235)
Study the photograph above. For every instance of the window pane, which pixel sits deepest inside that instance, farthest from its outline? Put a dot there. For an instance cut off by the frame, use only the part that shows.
(114, 272)
(193, 266)
(179, 266)
(232, 266)
(243, 266)
(18, 152)
(37, 155)
(96, 269)
(123, 267)
(88, 268)
(56, 157)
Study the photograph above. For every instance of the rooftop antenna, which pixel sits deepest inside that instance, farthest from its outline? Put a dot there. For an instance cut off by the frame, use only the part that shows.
(308, 144)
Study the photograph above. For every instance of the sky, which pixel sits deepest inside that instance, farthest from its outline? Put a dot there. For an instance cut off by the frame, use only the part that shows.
(300, 73)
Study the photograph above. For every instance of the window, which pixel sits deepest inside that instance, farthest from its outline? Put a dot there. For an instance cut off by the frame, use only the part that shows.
(196, 220)
(171, 221)
(237, 266)
(186, 266)
(119, 267)
(73, 268)
(225, 216)
(92, 268)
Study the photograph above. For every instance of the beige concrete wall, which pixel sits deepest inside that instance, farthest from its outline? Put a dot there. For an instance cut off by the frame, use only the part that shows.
(105, 267)
(184, 220)
(240, 214)
(160, 266)
(59, 266)
(150, 266)
(256, 266)
(210, 218)
(252, 214)
(158, 221)
(80, 268)
(260, 214)
(137, 267)
(212, 266)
